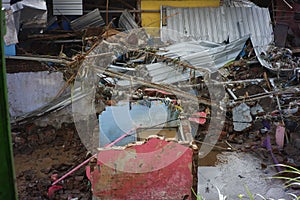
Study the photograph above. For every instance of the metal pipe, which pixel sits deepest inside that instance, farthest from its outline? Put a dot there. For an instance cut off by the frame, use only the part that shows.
(60, 61)
(291, 7)
(131, 11)
(94, 156)
(106, 11)
(195, 163)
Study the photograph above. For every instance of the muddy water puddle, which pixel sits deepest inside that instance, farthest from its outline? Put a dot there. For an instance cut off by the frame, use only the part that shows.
(231, 173)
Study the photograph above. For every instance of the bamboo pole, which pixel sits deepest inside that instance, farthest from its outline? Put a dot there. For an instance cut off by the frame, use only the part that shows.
(7, 181)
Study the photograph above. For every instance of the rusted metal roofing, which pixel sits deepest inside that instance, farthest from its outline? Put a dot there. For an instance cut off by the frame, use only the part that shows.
(219, 24)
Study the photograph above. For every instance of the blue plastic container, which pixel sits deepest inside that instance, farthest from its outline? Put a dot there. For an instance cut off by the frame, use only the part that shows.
(10, 50)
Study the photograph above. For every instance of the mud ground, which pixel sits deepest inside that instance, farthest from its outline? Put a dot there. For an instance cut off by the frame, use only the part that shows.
(41, 155)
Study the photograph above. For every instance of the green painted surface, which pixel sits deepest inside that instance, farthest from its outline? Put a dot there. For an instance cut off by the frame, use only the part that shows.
(7, 176)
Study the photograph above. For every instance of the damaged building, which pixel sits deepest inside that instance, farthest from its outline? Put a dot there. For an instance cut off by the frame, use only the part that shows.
(136, 94)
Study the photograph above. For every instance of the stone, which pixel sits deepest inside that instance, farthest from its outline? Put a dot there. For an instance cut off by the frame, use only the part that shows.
(46, 170)
(19, 140)
(54, 177)
(79, 178)
(29, 175)
(42, 139)
(31, 185)
(76, 191)
(291, 150)
(295, 139)
(30, 128)
(241, 116)
(33, 140)
(69, 135)
(50, 134)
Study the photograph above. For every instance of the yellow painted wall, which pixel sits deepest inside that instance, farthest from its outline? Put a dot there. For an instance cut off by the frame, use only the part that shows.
(153, 19)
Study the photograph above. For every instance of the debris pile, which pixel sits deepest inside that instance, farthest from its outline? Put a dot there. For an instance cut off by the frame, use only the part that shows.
(258, 103)
(196, 79)
(253, 98)
(281, 58)
(262, 107)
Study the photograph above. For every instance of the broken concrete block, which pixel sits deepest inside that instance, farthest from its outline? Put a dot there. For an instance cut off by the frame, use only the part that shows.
(242, 118)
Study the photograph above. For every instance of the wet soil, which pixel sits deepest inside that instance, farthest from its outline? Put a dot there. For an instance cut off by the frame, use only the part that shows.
(210, 159)
(39, 162)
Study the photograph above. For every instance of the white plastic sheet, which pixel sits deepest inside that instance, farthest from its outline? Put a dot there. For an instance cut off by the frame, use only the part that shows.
(11, 36)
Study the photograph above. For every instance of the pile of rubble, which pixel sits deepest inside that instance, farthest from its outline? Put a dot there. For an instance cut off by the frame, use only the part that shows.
(263, 104)
(259, 103)
(200, 78)
(125, 65)
(281, 58)
(237, 91)
(262, 114)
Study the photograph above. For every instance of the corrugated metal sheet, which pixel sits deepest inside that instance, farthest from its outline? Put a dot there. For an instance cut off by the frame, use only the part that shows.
(168, 74)
(127, 21)
(6, 4)
(206, 56)
(219, 24)
(92, 19)
(67, 7)
(237, 3)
